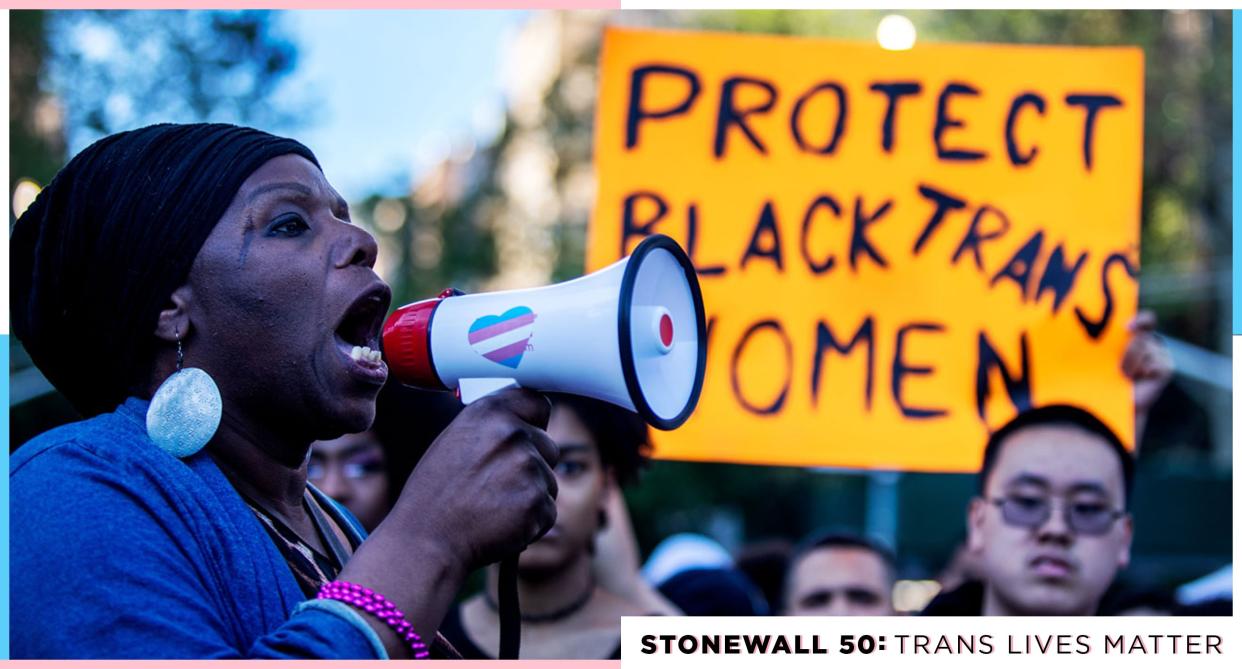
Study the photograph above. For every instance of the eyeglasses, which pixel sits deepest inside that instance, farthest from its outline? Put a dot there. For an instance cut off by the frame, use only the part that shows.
(1030, 512)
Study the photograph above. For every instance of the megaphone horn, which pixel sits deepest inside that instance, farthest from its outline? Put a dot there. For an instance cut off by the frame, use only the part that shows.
(632, 334)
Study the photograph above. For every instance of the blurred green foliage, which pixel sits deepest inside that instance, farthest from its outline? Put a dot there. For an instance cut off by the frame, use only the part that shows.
(35, 150)
(126, 69)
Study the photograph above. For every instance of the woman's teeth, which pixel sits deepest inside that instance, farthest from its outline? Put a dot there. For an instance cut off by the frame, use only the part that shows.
(364, 353)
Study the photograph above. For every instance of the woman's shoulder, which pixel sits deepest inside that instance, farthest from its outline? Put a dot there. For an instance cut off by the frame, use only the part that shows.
(107, 464)
(97, 501)
(115, 439)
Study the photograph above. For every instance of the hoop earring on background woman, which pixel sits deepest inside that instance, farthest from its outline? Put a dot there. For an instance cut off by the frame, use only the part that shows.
(185, 411)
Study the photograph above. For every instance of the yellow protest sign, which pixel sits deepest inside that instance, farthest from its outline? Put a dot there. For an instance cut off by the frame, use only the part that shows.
(896, 249)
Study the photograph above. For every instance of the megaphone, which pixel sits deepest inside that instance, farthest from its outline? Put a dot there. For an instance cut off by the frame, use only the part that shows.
(632, 334)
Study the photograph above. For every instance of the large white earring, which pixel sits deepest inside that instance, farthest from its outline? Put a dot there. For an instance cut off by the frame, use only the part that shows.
(185, 412)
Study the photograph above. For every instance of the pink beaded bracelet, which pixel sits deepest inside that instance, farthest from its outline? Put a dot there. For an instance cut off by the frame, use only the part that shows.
(377, 605)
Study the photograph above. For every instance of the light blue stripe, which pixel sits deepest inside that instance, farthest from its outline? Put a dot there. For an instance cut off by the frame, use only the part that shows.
(1237, 168)
(4, 517)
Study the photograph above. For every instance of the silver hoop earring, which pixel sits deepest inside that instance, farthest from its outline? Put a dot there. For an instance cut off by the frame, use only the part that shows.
(185, 411)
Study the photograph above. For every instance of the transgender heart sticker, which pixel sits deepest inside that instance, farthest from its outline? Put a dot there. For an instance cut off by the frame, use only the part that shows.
(503, 338)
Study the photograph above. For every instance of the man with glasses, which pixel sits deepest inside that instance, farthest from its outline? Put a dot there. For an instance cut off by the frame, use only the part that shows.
(840, 575)
(1050, 526)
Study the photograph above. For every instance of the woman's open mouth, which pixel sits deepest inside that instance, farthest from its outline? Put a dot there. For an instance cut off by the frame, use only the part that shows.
(358, 335)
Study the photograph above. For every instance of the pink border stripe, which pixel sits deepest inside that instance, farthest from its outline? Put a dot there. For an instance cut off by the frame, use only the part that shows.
(304, 664)
(317, 4)
(506, 352)
(501, 327)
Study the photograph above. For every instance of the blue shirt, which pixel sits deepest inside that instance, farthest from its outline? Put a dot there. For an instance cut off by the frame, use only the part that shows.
(120, 550)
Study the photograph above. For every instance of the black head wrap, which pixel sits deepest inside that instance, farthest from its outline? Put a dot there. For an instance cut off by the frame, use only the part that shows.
(98, 254)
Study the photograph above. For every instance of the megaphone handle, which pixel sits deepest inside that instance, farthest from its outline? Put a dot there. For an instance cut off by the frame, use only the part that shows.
(470, 390)
(509, 611)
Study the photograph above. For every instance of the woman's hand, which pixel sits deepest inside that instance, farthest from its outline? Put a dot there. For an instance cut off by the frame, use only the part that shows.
(487, 483)
(483, 491)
